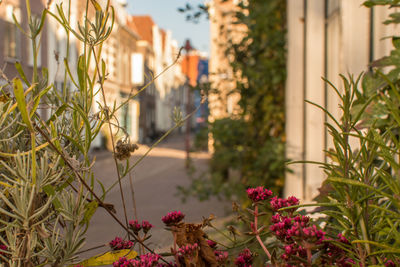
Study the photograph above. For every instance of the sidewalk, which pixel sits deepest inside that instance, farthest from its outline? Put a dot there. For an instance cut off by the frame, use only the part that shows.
(155, 181)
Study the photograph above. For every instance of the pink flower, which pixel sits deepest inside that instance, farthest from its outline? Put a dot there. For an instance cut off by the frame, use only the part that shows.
(146, 226)
(173, 218)
(244, 259)
(258, 194)
(146, 260)
(278, 203)
(3, 248)
(135, 226)
(221, 256)
(211, 243)
(189, 249)
(118, 243)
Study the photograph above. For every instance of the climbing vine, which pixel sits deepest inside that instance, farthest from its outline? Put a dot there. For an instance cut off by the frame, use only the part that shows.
(252, 145)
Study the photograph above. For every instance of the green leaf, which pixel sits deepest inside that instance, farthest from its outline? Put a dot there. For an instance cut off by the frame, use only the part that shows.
(21, 72)
(66, 64)
(81, 73)
(90, 209)
(50, 191)
(19, 95)
(58, 112)
(37, 100)
(357, 183)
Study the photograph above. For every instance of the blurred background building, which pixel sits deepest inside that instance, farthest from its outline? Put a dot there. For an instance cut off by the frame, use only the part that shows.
(138, 54)
(325, 39)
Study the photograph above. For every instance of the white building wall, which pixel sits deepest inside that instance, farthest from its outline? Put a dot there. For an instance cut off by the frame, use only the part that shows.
(294, 97)
(315, 50)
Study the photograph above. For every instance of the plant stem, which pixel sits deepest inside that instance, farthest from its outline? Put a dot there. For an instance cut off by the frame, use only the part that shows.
(111, 136)
(133, 197)
(80, 178)
(257, 233)
(175, 252)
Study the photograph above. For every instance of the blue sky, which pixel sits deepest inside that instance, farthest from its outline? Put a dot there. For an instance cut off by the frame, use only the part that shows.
(165, 14)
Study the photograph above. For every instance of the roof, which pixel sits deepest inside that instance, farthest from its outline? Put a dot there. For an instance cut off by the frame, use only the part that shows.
(144, 27)
(189, 67)
(131, 25)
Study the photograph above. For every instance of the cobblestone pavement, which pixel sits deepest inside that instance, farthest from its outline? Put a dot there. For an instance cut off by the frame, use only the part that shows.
(155, 182)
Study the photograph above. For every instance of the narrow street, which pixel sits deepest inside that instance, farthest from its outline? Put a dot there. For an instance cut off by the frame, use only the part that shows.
(155, 181)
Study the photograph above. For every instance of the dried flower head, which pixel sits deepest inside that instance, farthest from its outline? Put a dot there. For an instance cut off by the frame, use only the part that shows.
(123, 149)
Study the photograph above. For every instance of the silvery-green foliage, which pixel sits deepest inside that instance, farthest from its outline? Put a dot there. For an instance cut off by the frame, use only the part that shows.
(46, 182)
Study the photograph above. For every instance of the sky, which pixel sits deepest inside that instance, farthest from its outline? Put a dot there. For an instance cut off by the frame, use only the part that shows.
(166, 16)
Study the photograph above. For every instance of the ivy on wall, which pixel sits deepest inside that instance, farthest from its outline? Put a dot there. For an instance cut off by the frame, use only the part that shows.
(250, 148)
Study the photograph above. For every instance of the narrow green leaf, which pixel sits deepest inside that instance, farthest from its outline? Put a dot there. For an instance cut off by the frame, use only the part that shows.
(37, 100)
(21, 72)
(81, 73)
(90, 209)
(19, 95)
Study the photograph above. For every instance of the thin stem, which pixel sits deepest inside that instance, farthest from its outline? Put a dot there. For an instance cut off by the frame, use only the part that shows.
(150, 82)
(222, 233)
(89, 249)
(309, 256)
(77, 174)
(175, 252)
(257, 233)
(111, 136)
(133, 196)
(66, 94)
(177, 125)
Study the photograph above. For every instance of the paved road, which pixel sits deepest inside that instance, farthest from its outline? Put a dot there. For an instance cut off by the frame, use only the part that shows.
(155, 180)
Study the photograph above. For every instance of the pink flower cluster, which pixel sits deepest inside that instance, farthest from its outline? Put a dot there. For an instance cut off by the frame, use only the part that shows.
(278, 203)
(390, 263)
(146, 226)
(189, 249)
(244, 259)
(146, 260)
(118, 243)
(221, 256)
(211, 243)
(298, 234)
(136, 226)
(173, 218)
(258, 194)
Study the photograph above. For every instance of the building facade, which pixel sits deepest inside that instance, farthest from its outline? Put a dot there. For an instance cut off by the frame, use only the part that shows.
(325, 39)
(223, 32)
(14, 45)
(167, 78)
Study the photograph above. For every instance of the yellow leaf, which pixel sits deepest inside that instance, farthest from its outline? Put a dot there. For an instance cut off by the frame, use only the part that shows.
(5, 184)
(109, 257)
(96, 5)
(9, 155)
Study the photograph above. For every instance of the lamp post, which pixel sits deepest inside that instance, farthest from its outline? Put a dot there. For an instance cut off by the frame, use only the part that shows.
(188, 47)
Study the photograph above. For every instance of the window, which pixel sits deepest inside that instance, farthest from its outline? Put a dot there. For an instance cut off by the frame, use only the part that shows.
(137, 66)
(11, 41)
